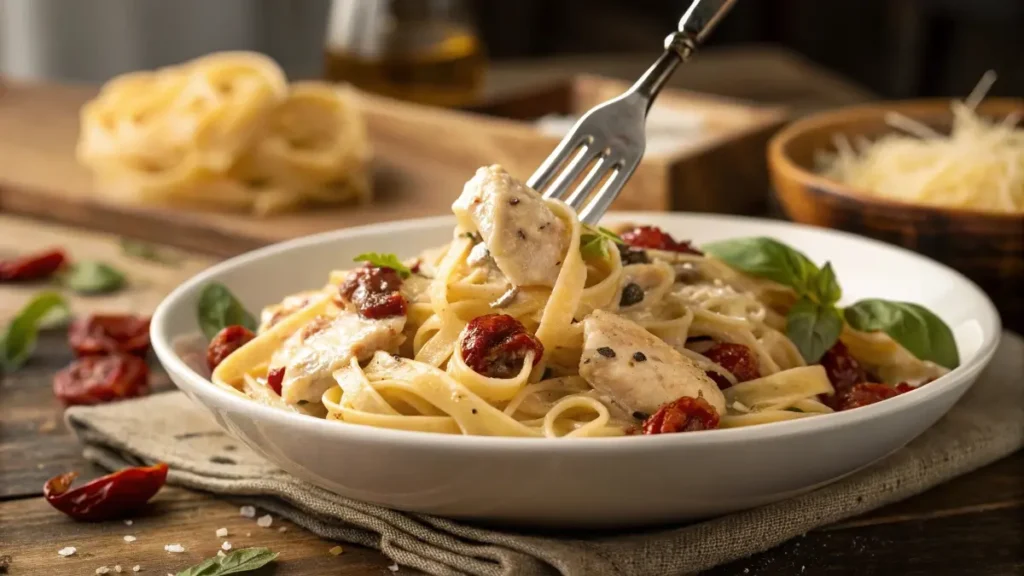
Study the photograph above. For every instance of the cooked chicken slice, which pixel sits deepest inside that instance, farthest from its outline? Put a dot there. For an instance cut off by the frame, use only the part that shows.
(636, 369)
(524, 237)
(291, 304)
(315, 351)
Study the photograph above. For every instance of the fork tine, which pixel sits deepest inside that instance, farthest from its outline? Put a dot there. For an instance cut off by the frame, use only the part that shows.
(560, 187)
(604, 165)
(549, 168)
(607, 194)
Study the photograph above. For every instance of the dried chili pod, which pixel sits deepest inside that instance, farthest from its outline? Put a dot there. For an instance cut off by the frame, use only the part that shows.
(106, 498)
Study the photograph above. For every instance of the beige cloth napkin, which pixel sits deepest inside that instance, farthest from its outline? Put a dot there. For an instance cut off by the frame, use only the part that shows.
(987, 424)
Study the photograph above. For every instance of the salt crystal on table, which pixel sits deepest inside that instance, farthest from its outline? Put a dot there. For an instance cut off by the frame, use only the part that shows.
(127, 522)
(102, 570)
(129, 539)
(136, 568)
(221, 553)
(226, 545)
(222, 532)
(247, 511)
(393, 567)
(67, 551)
(174, 548)
(264, 521)
(117, 568)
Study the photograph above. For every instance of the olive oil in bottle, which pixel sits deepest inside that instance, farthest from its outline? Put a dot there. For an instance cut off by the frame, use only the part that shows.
(424, 51)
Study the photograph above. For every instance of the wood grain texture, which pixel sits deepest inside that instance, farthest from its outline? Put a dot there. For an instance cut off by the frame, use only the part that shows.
(423, 157)
(986, 247)
(34, 532)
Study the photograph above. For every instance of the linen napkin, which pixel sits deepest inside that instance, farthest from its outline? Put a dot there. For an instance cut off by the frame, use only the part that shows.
(987, 424)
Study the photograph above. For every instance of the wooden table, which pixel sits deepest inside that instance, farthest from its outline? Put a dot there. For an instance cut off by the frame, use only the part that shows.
(970, 525)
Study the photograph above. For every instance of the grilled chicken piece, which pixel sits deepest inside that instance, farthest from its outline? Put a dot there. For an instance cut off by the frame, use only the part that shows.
(524, 237)
(636, 369)
(316, 350)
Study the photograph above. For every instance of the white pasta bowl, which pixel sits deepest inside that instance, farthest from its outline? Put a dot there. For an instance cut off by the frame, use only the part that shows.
(597, 482)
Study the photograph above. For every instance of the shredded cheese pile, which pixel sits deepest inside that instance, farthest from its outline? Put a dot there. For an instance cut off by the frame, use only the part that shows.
(978, 165)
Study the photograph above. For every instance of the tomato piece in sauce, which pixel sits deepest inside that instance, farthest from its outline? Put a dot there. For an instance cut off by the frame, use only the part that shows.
(226, 341)
(496, 345)
(736, 358)
(683, 415)
(109, 334)
(374, 291)
(658, 239)
(99, 379)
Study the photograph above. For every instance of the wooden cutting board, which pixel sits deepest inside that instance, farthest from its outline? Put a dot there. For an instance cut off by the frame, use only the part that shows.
(423, 156)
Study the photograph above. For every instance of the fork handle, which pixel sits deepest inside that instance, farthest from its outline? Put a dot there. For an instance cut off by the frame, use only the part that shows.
(694, 27)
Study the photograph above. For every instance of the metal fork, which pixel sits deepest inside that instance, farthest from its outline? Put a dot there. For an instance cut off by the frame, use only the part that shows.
(611, 136)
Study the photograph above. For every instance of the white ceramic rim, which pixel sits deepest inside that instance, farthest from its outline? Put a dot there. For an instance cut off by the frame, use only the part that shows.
(173, 364)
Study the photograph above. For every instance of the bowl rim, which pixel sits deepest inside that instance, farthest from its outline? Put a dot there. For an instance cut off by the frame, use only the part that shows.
(188, 380)
(780, 162)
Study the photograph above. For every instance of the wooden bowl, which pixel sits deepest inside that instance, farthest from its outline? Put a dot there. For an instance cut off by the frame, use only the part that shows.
(987, 247)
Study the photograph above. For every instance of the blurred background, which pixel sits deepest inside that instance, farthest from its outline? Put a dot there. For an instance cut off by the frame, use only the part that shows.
(895, 48)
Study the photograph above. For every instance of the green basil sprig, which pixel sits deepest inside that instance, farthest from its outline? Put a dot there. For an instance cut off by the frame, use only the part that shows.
(594, 241)
(92, 277)
(145, 251)
(916, 328)
(19, 339)
(815, 322)
(218, 308)
(385, 261)
(243, 560)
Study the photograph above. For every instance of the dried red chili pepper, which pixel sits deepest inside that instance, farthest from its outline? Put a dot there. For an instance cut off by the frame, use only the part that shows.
(109, 333)
(32, 267)
(106, 498)
(229, 339)
(99, 379)
(683, 415)
(658, 239)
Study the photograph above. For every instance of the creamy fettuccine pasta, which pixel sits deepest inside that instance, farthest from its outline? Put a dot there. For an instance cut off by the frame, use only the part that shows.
(528, 323)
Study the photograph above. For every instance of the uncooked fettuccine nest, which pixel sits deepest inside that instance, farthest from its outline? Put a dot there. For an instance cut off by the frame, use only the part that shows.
(226, 131)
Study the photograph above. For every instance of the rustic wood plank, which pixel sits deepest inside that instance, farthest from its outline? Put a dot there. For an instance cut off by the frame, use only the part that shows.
(34, 531)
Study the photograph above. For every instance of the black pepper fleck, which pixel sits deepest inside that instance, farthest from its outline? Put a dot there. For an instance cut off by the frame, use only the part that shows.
(639, 356)
(521, 234)
(606, 352)
(474, 410)
(513, 201)
(543, 226)
(632, 293)
(641, 415)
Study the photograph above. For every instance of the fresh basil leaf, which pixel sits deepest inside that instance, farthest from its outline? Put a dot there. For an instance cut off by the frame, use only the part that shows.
(813, 328)
(766, 258)
(19, 339)
(243, 560)
(145, 251)
(825, 287)
(610, 235)
(218, 308)
(385, 261)
(592, 246)
(914, 327)
(92, 277)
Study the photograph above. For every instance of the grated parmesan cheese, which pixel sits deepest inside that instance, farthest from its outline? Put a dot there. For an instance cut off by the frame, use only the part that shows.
(979, 165)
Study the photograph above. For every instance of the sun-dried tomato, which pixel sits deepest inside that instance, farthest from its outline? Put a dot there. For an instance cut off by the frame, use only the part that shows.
(226, 341)
(99, 379)
(865, 393)
(736, 358)
(496, 345)
(658, 239)
(373, 290)
(843, 372)
(275, 377)
(109, 497)
(683, 415)
(109, 333)
(32, 267)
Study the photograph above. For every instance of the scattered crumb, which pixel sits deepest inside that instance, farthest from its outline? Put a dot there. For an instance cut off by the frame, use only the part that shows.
(393, 567)
(127, 522)
(102, 570)
(336, 551)
(129, 539)
(68, 551)
(174, 548)
(264, 521)
(48, 426)
(222, 532)
(247, 511)
(282, 529)
(135, 568)
(117, 568)
(221, 553)
(226, 545)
